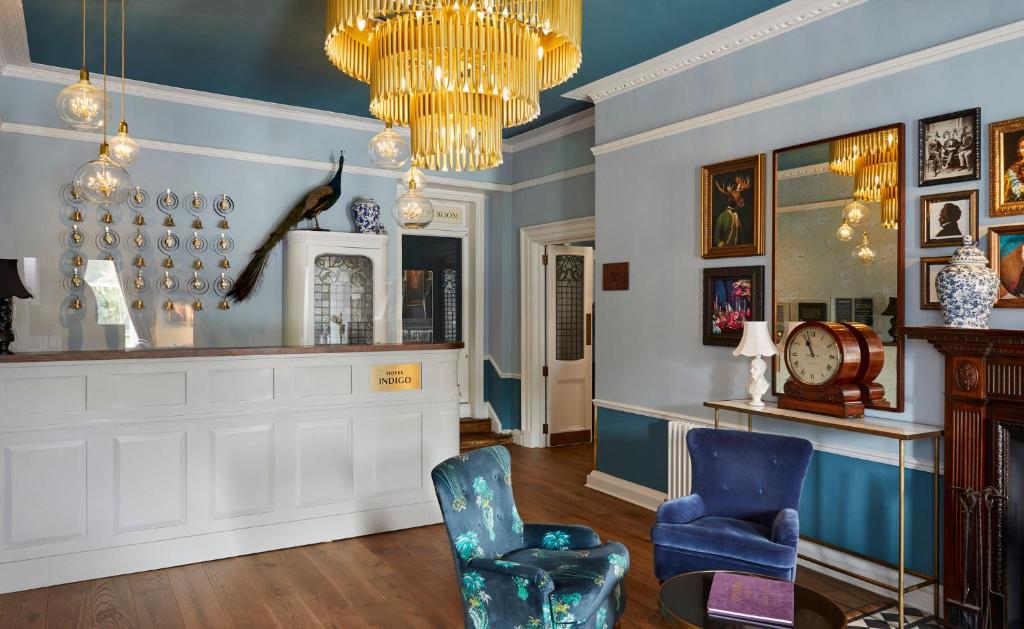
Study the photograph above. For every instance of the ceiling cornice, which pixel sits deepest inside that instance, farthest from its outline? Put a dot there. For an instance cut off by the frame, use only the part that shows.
(754, 30)
(551, 131)
(13, 38)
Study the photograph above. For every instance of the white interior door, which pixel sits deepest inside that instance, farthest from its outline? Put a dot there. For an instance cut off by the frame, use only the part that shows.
(569, 304)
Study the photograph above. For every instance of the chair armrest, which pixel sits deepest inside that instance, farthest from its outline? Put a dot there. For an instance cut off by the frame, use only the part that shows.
(786, 527)
(518, 590)
(681, 510)
(535, 577)
(559, 536)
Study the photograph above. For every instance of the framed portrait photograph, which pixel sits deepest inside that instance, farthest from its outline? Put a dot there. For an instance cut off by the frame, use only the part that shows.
(732, 208)
(732, 296)
(930, 268)
(1006, 255)
(1006, 163)
(946, 218)
(949, 148)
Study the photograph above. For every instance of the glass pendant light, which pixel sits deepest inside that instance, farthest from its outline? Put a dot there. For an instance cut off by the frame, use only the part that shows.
(415, 175)
(845, 232)
(123, 148)
(863, 252)
(389, 150)
(413, 210)
(80, 105)
(102, 181)
(855, 212)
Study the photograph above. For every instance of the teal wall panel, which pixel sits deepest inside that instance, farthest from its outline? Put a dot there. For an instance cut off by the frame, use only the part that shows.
(633, 447)
(503, 394)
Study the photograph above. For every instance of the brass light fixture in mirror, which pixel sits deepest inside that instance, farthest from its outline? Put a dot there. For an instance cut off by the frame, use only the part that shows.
(838, 214)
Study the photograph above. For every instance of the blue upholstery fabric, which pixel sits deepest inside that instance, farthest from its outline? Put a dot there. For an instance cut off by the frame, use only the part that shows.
(523, 576)
(742, 514)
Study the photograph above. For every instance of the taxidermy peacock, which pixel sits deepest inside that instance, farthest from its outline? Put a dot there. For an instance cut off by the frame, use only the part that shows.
(317, 201)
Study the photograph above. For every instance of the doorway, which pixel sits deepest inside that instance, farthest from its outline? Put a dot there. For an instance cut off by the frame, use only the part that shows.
(536, 432)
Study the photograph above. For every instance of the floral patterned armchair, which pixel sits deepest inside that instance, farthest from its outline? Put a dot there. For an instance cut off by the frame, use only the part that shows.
(520, 576)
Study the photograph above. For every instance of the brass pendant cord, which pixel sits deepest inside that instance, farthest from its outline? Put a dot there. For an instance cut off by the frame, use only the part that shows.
(122, 59)
(83, 34)
(104, 72)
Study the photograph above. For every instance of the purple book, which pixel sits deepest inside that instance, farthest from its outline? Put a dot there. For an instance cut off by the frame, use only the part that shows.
(742, 597)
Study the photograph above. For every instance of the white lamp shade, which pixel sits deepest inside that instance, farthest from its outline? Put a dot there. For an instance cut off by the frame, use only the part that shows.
(756, 341)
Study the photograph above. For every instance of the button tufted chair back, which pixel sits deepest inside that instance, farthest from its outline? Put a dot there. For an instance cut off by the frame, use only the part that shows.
(475, 493)
(747, 476)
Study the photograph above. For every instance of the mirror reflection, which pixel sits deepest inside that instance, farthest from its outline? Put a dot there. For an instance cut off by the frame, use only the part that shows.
(837, 254)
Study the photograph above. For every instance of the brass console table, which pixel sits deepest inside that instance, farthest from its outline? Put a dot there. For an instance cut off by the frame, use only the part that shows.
(902, 432)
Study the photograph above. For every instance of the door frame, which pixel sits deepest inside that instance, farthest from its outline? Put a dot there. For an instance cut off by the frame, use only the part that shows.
(532, 241)
(475, 245)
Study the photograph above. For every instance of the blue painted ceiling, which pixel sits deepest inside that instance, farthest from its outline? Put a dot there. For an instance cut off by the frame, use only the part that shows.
(272, 50)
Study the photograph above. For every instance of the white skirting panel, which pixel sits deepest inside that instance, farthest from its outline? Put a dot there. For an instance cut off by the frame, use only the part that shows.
(116, 466)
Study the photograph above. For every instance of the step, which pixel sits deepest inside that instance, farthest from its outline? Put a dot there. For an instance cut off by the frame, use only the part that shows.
(483, 440)
(474, 426)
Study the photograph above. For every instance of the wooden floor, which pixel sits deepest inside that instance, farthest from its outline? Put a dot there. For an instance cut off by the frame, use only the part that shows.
(402, 579)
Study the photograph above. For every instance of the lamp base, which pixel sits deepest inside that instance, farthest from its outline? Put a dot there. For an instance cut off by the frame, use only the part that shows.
(6, 325)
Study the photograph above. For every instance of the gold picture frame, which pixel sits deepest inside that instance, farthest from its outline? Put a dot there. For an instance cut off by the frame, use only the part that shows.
(929, 296)
(1006, 181)
(1003, 242)
(732, 208)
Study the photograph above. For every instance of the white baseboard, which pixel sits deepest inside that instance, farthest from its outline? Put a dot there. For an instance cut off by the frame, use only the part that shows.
(626, 490)
(496, 427)
(47, 571)
(921, 599)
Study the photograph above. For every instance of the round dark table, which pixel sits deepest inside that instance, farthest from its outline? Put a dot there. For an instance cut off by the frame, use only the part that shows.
(684, 604)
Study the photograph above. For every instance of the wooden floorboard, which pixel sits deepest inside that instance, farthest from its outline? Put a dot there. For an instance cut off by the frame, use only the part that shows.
(393, 580)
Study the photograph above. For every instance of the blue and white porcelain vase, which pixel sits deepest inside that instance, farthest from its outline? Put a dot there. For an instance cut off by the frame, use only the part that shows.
(366, 215)
(967, 288)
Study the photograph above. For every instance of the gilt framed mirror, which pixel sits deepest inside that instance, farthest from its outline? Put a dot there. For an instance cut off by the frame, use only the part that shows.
(838, 217)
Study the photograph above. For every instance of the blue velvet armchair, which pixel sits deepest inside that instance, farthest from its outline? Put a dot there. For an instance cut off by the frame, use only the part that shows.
(514, 575)
(742, 513)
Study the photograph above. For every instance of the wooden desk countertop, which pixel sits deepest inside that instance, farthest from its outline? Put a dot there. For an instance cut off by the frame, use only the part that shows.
(202, 352)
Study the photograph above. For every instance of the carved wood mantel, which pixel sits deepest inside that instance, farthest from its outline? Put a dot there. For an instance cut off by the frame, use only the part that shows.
(984, 389)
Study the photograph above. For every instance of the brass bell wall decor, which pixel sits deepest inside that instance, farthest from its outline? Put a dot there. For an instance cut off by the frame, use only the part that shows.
(197, 264)
(224, 305)
(224, 264)
(138, 304)
(168, 305)
(197, 305)
(107, 218)
(223, 224)
(168, 221)
(77, 260)
(168, 263)
(76, 216)
(75, 303)
(197, 224)
(139, 219)
(140, 262)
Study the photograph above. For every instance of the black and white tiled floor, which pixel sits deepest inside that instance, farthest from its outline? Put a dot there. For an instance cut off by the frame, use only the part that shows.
(889, 619)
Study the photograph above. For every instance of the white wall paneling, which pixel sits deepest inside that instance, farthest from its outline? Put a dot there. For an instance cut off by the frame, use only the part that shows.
(127, 465)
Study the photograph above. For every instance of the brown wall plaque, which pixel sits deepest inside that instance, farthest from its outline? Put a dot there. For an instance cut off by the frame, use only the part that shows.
(615, 276)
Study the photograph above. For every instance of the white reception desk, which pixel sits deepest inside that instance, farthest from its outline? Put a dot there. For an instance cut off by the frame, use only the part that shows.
(117, 462)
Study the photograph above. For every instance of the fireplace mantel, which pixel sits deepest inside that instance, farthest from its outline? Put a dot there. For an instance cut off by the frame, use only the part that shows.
(984, 413)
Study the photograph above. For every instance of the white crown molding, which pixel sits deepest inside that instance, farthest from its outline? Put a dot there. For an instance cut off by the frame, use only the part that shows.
(13, 38)
(754, 30)
(551, 131)
(294, 162)
(923, 57)
(559, 176)
(803, 171)
(866, 454)
(504, 374)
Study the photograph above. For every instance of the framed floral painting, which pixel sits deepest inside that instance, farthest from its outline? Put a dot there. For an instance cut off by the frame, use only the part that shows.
(732, 296)
(1006, 166)
(732, 208)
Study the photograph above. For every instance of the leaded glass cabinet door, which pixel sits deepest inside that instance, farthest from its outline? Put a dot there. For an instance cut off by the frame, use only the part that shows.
(569, 315)
(342, 300)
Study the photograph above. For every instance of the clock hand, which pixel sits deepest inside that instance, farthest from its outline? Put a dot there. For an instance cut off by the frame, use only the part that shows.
(807, 341)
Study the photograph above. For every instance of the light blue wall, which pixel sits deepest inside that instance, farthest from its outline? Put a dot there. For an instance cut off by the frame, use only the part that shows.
(33, 170)
(648, 202)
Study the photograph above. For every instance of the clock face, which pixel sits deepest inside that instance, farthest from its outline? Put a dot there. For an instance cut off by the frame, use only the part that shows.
(813, 356)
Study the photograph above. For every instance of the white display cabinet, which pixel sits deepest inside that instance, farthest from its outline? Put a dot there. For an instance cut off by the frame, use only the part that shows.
(335, 288)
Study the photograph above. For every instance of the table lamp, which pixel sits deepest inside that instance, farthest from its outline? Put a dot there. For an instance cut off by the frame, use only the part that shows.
(756, 342)
(10, 287)
(891, 310)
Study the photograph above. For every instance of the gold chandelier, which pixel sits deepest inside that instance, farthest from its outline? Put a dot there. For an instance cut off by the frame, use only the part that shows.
(872, 159)
(455, 72)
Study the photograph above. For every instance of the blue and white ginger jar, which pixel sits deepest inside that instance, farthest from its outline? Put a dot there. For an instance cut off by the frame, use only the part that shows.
(366, 215)
(967, 288)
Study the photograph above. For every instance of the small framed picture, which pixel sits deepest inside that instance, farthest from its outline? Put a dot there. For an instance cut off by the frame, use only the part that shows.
(732, 296)
(1006, 163)
(732, 208)
(930, 268)
(946, 218)
(812, 311)
(1006, 255)
(949, 148)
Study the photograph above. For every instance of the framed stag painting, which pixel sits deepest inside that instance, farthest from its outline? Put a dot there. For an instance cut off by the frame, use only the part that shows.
(732, 208)
(732, 295)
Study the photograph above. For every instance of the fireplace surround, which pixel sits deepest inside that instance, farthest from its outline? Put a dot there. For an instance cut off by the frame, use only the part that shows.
(984, 461)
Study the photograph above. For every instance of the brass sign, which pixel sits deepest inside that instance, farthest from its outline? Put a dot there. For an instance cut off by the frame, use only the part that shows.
(448, 215)
(395, 377)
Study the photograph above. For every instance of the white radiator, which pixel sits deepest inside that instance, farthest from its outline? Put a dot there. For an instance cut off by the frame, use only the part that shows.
(679, 457)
